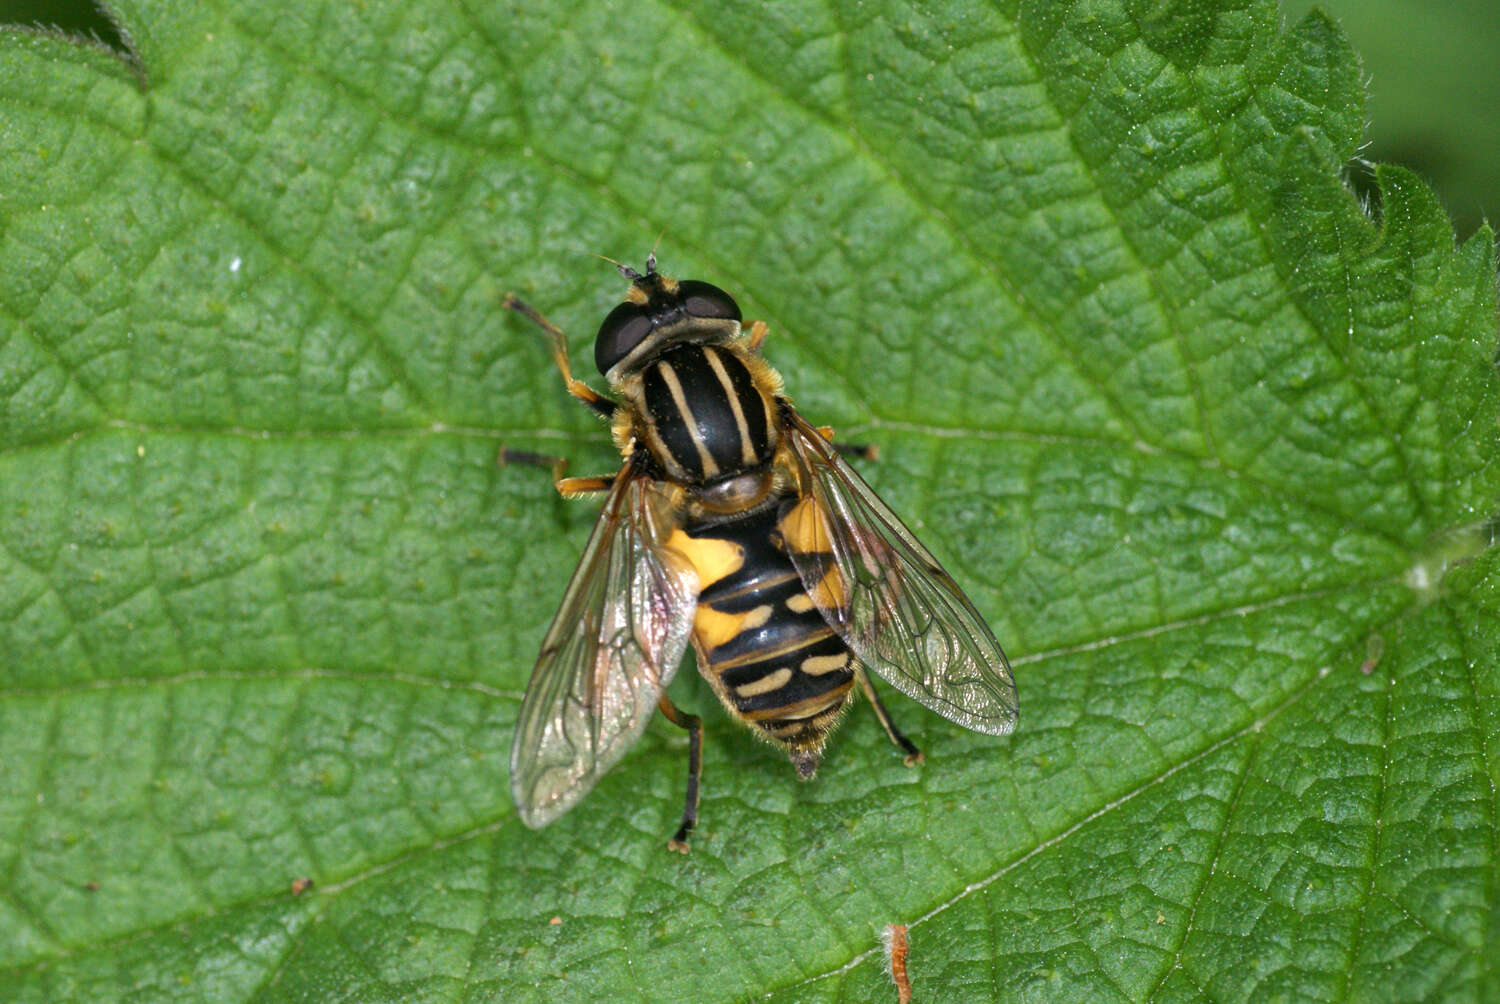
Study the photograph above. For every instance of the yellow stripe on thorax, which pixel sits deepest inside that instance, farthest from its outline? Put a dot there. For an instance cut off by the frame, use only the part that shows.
(747, 449)
(685, 411)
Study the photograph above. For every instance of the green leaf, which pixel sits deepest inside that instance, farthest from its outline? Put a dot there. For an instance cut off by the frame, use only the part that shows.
(1213, 450)
(1432, 71)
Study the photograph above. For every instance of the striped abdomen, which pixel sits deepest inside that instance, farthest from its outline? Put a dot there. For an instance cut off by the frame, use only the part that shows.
(770, 655)
(706, 413)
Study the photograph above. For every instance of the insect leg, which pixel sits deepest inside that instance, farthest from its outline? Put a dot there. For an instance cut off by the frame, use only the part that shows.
(913, 755)
(694, 726)
(569, 487)
(559, 342)
(862, 451)
(758, 332)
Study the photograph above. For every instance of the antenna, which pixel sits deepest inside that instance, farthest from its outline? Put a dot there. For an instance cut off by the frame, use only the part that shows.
(651, 255)
(626, 270)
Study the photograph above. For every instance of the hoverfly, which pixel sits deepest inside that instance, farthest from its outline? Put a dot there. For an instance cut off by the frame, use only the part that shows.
(735, 524)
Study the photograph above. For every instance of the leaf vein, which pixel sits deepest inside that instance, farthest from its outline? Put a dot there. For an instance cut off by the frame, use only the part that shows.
(954, 232)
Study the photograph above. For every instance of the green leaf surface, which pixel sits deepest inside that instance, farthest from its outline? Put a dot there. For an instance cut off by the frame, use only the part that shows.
(1431, 72)
(1213, 450)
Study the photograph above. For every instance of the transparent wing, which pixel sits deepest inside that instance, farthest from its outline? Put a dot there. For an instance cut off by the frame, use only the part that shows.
(887, 596)
(612, 649)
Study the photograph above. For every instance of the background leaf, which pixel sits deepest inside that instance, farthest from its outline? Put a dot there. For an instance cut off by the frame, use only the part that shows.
(1428, 68)
(1213, 450)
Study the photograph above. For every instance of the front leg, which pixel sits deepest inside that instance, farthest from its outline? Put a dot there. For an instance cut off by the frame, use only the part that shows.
(559, 343)
(757, 334)
(864, 451)
(566, 487)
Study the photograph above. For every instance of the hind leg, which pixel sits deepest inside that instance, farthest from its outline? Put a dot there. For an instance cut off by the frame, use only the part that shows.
(694, 726)
(913, 755)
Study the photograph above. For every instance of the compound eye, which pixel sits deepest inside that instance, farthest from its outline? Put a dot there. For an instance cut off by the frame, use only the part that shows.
(623, 329)
(699, 299)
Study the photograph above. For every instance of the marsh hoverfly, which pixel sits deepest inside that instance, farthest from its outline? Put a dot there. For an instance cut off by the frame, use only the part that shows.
(735, 524)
